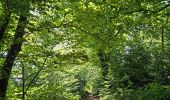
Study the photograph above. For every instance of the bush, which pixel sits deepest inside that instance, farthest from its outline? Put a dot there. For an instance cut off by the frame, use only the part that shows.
(150, 92)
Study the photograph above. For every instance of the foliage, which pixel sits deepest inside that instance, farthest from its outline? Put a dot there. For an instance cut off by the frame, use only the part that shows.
(70, 49)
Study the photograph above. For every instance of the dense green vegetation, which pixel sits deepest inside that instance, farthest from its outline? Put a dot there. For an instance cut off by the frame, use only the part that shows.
(84, 49)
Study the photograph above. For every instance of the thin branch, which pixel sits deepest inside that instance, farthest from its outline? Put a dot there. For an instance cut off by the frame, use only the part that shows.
(145, 10)
(23, 81)
(34, 77)
(166, 6)
(163, 33)
(139, 10)
(93, 35)
(45, 60)
(118, 31)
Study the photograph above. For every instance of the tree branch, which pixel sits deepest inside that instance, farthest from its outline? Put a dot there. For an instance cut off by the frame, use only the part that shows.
(93, 35)
(145, 10)
(38, 72)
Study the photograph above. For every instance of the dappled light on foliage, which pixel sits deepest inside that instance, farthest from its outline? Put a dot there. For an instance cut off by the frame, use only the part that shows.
(84, 50)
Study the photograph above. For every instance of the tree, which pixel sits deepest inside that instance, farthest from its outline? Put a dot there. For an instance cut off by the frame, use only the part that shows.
(60, 49)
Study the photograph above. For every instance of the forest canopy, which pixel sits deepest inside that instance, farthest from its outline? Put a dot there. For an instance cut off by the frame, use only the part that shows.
(84, 50)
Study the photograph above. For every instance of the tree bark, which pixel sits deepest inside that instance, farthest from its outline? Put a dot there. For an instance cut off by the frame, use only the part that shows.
(4, 25)
(104, 65)
(5, 20)
(12, 54)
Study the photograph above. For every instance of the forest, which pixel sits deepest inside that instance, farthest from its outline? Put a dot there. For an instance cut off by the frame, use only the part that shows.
(84, 50)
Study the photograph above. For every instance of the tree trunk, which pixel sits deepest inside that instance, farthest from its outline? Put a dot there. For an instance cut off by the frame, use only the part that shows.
(12, 54)
(4, 26)
(162, 39)
(5, 19)
(103, 61)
